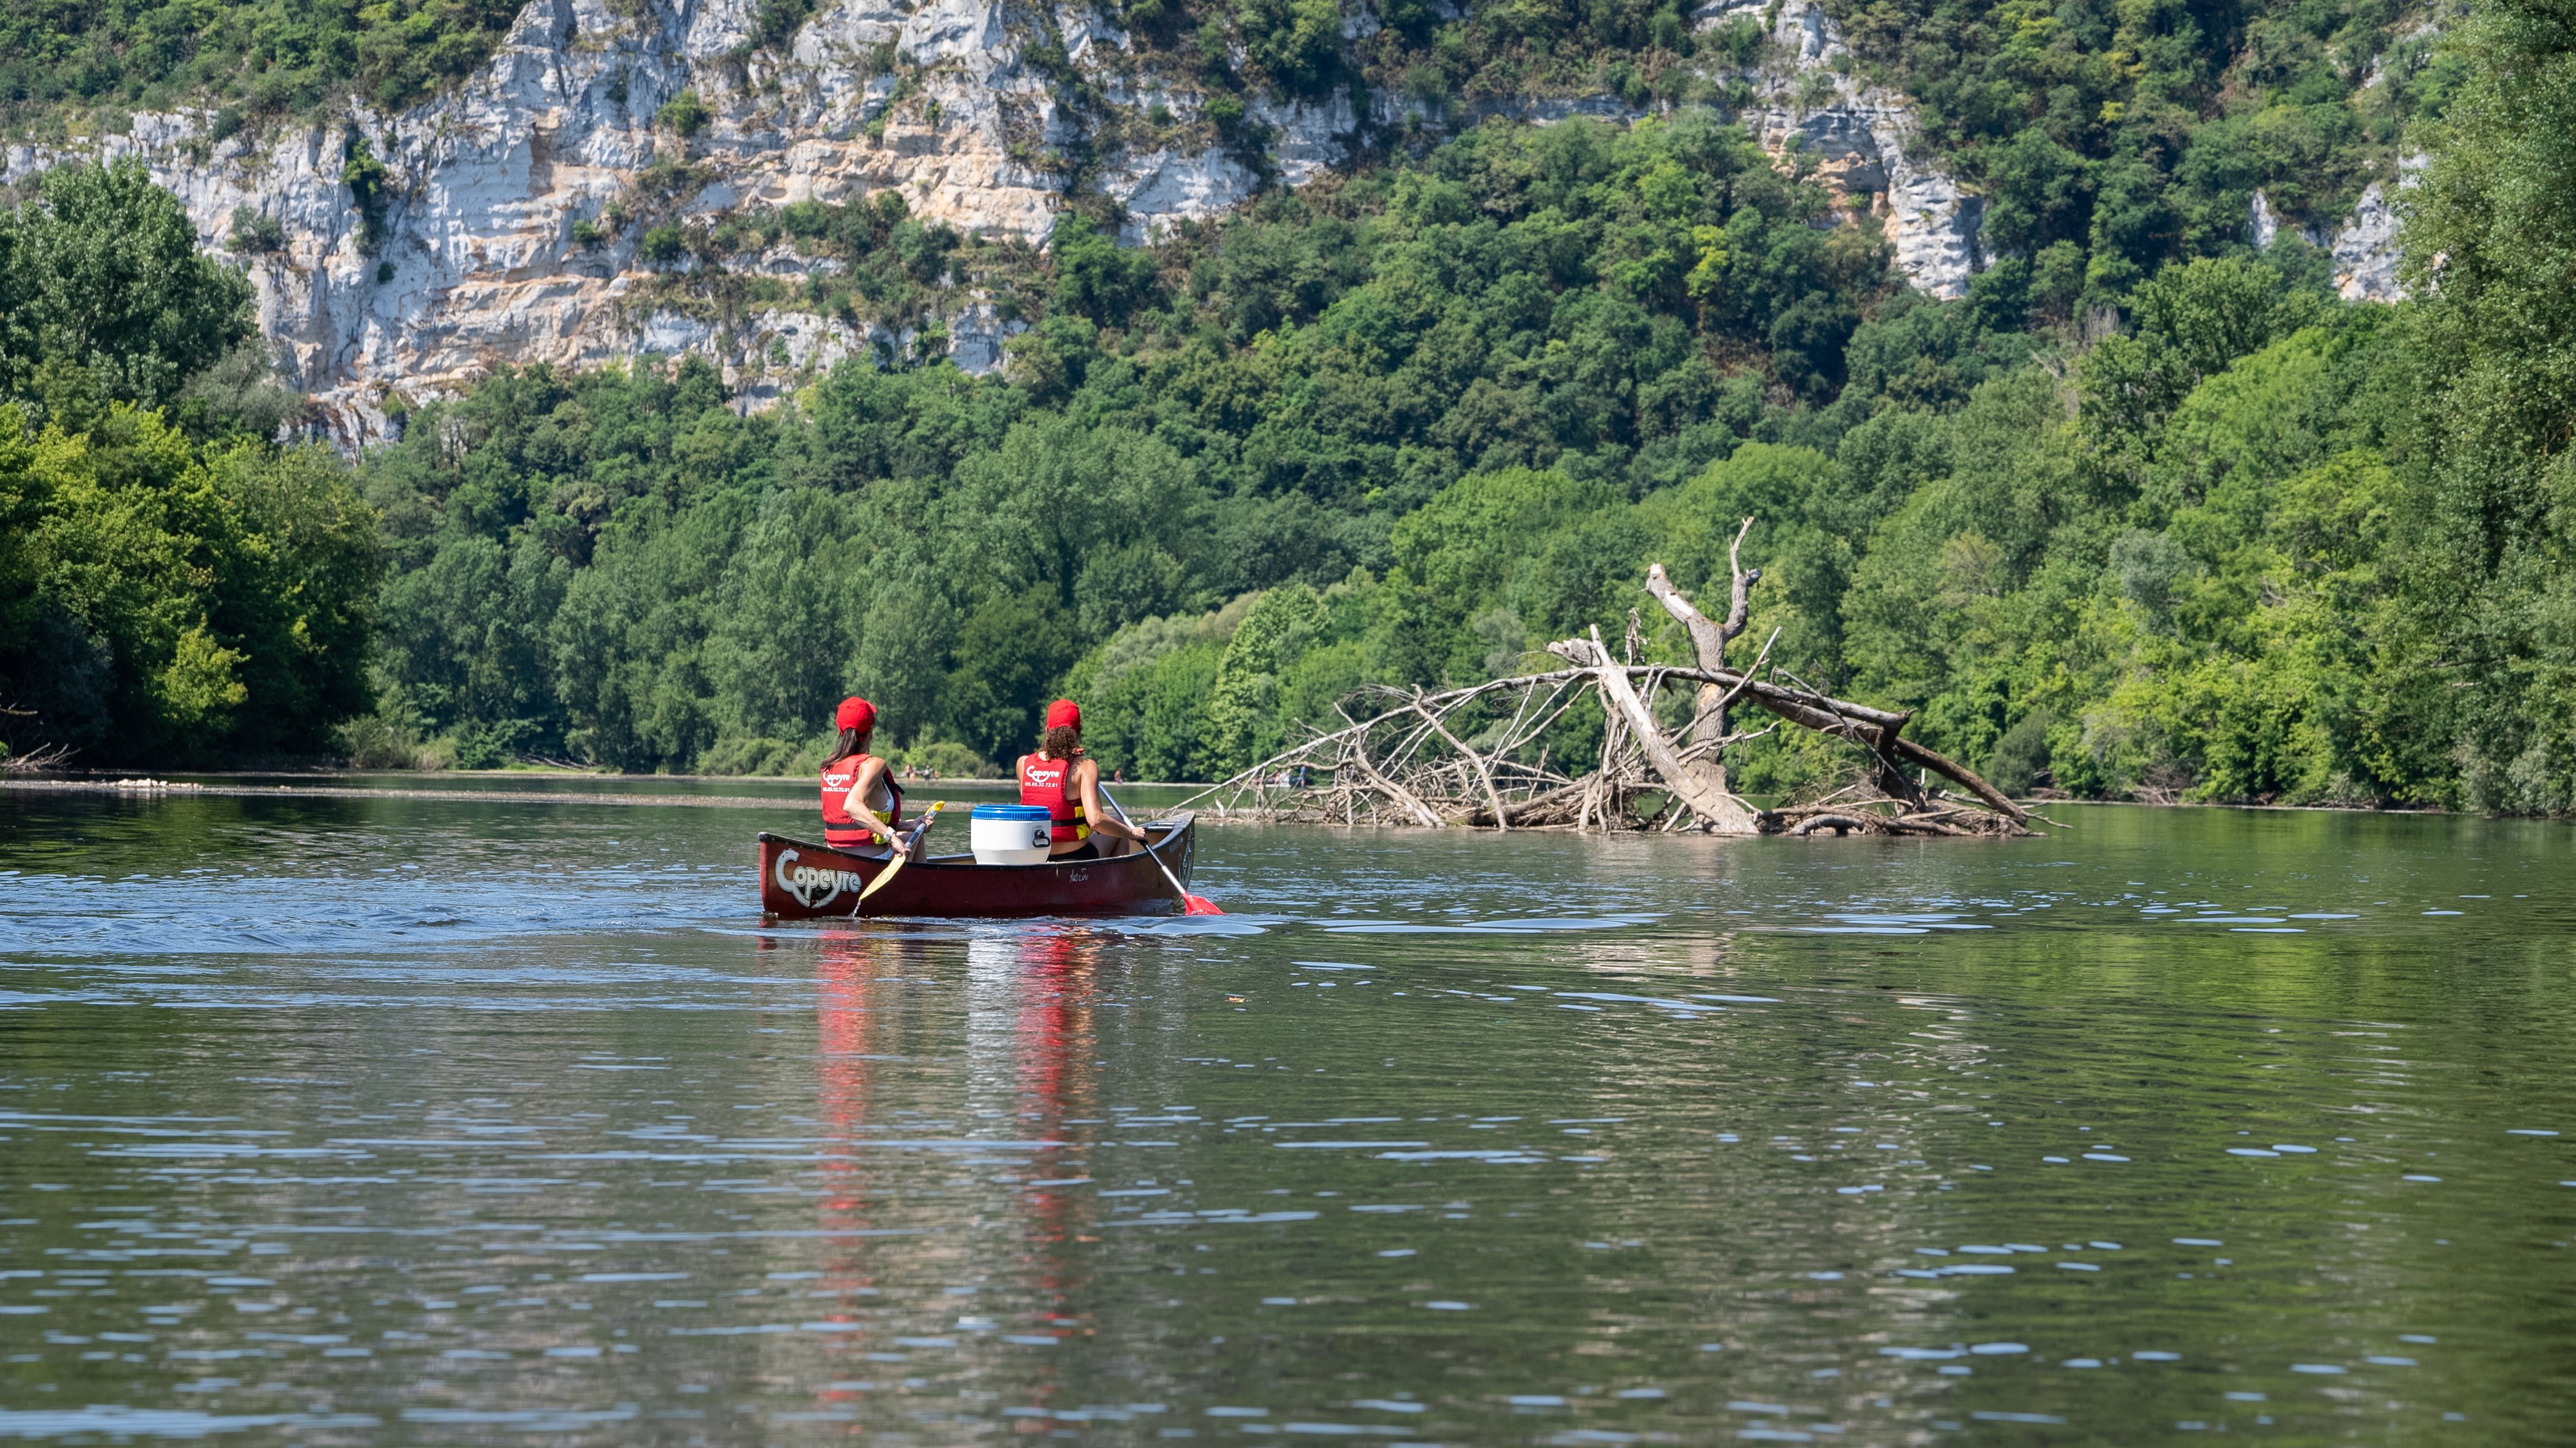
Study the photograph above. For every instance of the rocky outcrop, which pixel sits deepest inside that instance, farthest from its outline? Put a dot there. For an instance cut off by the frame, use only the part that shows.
(472, 258)
(488, 239)
(2262, 223)
(2365, 247)
(1861, 140)
(1162, 186)
(2366, 252)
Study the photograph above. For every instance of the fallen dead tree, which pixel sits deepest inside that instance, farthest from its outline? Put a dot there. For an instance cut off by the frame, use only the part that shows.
(42, 758)
(1483, 755)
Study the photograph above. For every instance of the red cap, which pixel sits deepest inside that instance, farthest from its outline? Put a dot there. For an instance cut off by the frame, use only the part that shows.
(1063, 712)
(855, 713)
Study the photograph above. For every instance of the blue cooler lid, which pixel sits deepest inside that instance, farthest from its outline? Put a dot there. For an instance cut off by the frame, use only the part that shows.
(1014, 812)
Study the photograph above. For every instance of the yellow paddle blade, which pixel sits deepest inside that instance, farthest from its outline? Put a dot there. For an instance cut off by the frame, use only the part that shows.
(901, 859)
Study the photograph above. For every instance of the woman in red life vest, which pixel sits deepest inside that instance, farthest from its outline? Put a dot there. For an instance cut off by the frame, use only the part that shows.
(1058, 777)
(861, 801)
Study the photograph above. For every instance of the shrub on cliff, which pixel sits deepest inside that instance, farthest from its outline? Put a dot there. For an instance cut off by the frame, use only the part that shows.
(684, 114)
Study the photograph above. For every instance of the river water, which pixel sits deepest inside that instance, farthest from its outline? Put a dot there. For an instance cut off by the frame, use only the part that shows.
(356, 1120)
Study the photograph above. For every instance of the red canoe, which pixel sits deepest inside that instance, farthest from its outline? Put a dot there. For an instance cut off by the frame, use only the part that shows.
(802, 881)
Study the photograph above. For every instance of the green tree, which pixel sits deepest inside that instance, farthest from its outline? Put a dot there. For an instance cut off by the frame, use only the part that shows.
(683, 114)
(2191, 322)
(1098, 279)
(1243, 718)
(1296, 41)
(2492, 241)
(164, 600)
(262, 55)
(104, 297)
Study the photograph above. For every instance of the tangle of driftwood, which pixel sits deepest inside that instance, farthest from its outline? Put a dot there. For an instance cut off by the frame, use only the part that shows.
(51, 756)
(1480, 755)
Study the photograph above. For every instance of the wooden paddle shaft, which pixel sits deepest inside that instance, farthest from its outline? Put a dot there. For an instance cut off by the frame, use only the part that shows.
(1147, 845)
(902, 853)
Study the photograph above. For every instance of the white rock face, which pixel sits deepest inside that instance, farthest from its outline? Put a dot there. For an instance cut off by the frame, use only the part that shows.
(2365, 250)
(1160, 187)
(477, 266)
(2365, 247)
(1930, 221)
(1860, 138)
(1808, 34)
(1313, 137)
(976, 335)
(2260, 224)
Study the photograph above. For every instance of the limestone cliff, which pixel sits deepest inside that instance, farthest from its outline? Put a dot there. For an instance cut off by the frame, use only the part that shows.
(1858, 136)
(489, 237)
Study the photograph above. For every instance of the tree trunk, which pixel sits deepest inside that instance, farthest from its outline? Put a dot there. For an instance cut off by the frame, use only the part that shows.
(1709, 639)
(1690, 783)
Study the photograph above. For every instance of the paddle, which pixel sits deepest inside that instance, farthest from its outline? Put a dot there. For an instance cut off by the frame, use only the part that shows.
(902, 857)
(1190, 904)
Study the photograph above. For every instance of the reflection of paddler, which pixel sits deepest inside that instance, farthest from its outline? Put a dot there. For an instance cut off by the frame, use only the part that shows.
(845, 1249)
(861, 801)
(1053, 974)
(1067, 785)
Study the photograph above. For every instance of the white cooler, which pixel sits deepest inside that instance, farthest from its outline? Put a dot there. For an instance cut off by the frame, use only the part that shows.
(1010, 834)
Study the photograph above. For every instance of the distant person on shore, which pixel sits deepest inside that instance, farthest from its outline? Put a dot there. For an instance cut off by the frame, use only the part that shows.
(862, 804)
(1068, 785)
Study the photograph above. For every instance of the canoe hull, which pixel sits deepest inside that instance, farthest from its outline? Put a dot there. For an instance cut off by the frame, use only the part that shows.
(800, 880)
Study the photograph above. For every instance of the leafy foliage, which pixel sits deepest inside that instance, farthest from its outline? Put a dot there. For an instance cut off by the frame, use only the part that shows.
(167, 600)
(265, 56)
(684, 114)
(2147, 514)
(2491, 237)
(2112, 138)
(172, 584)
(1297, 42)
(103, 297)
(621, 566)
(2172, 564)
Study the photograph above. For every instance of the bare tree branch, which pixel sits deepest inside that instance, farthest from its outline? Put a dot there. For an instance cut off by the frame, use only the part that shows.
(1410, 761)
(1492, 795)
(1725, 813)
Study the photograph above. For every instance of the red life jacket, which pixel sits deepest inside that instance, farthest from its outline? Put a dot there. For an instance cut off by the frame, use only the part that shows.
(840, 831)
(1049, 782)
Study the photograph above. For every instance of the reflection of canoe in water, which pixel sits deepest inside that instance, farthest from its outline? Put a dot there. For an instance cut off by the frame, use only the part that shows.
(801, 881)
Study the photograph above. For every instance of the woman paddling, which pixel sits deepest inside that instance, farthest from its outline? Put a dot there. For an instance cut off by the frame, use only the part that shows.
(1068, 785)
(861, 800)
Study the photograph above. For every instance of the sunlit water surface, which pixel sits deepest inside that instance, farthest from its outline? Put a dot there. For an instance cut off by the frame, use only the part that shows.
(405, 1120)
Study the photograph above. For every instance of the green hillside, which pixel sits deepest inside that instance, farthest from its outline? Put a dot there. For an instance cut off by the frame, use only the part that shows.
(79, 63)
(2149, 513)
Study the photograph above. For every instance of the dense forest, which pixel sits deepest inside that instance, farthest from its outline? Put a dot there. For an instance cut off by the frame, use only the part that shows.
(173, 585)
(2149, 513)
